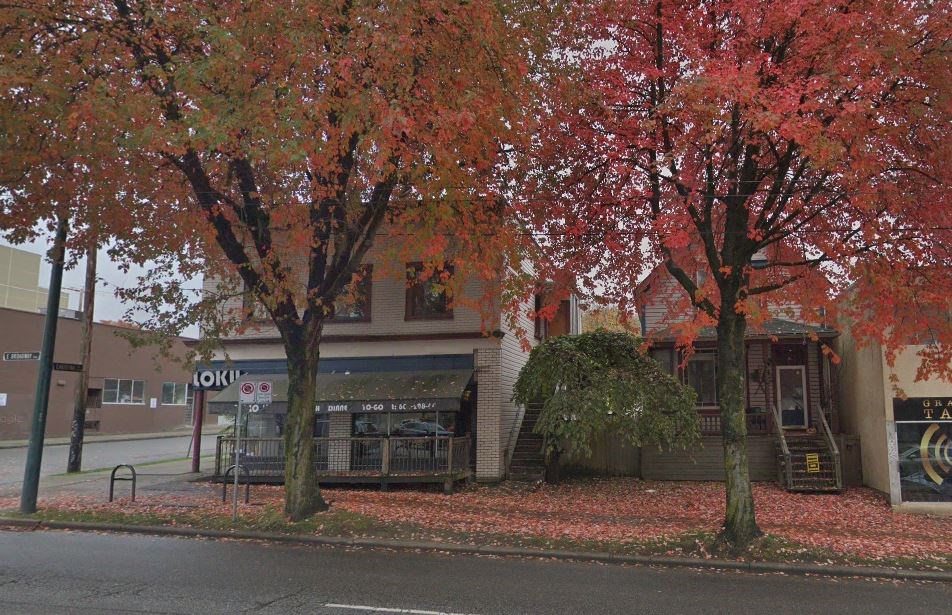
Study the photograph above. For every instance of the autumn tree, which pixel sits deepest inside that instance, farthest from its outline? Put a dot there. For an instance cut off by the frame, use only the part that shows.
(270, 142)
(787, 149)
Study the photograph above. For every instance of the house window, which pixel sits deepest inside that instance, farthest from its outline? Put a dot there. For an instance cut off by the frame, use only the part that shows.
(426, 294)
(701, 375)
(541, 324)
(353, 302)
(116, 391)
(665, 358)
(175, 394)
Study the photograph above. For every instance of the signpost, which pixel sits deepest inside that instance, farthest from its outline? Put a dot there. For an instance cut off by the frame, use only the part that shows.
(255, 395)
(206, 380)
(41, 399)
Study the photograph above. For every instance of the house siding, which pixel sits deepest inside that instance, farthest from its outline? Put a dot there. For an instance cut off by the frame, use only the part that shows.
(707, 462)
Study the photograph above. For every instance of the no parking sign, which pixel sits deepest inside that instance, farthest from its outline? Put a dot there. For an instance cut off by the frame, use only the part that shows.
(263, 393)
(247, 392)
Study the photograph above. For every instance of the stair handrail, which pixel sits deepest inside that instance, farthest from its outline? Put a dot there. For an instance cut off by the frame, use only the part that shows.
(784, 449)
(514, 432)
(831, 443)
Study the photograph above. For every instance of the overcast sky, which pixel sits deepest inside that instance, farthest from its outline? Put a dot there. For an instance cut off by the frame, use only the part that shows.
(108, 307)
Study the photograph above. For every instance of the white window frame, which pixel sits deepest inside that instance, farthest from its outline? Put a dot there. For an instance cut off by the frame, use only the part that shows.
(132, 390)
(175, 386)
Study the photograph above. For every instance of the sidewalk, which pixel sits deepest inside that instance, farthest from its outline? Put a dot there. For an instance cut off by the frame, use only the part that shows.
(154, 481)
(178, 433)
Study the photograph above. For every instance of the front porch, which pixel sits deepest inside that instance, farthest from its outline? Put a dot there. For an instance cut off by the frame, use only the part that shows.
(791, 408)
(382, 460)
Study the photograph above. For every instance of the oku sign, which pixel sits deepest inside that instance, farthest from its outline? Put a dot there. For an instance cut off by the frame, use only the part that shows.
(214, 379)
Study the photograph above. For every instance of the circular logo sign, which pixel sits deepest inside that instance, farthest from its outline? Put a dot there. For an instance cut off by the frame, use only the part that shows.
(248, 388)
(264, 387)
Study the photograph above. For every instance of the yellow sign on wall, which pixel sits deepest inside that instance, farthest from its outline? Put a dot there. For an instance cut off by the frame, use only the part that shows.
(813, 462)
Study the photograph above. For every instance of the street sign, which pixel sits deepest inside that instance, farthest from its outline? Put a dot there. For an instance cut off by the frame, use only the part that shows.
(68, 367)
(21, 356)
(263, 394)
(214, 379)
(247, 392)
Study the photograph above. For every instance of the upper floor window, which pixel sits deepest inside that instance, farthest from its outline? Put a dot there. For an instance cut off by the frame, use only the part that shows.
(426, 294)
(117, 391)
(174, 394)
(541, 324)
(250, 306)
(701, 375)
(665, 358)
(353, 302)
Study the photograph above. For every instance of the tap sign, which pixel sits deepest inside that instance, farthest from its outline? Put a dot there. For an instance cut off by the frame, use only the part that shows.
(924, 440)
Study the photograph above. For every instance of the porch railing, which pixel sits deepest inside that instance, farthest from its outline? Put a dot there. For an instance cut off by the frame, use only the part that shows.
(395, 456)
(786, 469)
(834, 449)
(757, 422)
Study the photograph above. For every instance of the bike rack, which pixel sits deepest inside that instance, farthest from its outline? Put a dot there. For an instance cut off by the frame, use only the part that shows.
(224, 484)
(113, 479)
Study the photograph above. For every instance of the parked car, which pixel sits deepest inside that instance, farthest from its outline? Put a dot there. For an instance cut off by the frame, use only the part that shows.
(411, 428)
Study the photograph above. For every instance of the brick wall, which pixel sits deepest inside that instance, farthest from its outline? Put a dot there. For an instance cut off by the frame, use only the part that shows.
(488, 415)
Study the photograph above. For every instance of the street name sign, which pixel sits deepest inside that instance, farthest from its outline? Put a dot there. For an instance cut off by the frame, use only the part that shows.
(21, 356)
(68, 367)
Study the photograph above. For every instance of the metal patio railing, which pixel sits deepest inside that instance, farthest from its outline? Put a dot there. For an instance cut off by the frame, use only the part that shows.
(439, 457)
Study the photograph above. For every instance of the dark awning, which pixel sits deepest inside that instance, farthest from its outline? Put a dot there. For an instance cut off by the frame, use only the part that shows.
(392, 391)
(429, 390)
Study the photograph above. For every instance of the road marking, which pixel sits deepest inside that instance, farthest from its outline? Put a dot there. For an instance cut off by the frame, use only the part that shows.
(384, 609)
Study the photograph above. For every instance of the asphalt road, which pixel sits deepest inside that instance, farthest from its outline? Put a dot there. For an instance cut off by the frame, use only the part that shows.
(98, 455)
(60, 572)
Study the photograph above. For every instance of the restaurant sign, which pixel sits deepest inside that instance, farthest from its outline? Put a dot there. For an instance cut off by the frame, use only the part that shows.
(924, 448)
(389, 405)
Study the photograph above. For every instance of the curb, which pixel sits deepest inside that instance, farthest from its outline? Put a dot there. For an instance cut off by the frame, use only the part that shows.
(438, 547)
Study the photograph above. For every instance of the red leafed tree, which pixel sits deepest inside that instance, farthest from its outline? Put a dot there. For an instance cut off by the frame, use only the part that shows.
(793, 150)
(270, 142)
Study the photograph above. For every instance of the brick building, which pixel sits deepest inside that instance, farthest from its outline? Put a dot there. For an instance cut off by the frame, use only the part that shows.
(410, 337)
(130, 390)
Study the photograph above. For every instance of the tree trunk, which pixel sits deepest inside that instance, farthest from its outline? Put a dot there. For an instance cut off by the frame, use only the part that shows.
(302, 495)
(78, 426)
(740, 526)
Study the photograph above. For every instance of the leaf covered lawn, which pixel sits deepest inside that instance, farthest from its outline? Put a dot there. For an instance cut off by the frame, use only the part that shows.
(857, 523)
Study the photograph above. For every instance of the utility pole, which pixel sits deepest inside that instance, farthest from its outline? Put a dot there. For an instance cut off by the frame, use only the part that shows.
(31, 473)
(78, 426)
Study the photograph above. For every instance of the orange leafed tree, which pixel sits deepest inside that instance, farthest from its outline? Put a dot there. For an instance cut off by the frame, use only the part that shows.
(270, 142)
(789, 151)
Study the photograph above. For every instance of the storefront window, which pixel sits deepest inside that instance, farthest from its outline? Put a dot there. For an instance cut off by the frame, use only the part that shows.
(370, 425)
(404, 424)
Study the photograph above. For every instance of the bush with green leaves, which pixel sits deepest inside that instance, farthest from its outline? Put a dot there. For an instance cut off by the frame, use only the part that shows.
(601, 382)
